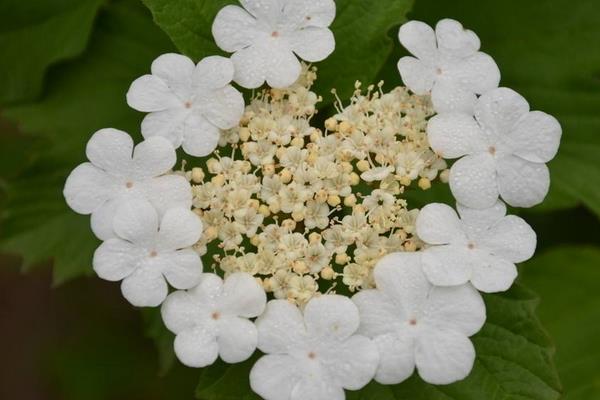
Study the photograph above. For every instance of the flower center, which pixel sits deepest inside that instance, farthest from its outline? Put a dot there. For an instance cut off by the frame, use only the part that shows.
(216, 315)
(188, 104)
(412, 321)
(312, 355)
(129, 185)
(308, 17)
(153, 253)
(438, 71)
(492, 150)
(275, 34)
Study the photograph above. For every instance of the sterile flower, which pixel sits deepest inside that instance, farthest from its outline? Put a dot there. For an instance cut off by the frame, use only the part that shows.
(148, 250)
(118, 172)
(416, 324)
(188, 104)
(482, 246)
(212, 319)
(267, 35)
(312, 355)
(505, 146)
(447, 64)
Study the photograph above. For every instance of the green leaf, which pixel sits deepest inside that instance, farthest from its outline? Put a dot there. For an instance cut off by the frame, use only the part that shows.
(514, 362)
(544, 51)
(81, 97)
(155, 329)
(35, 35)
(567, 280)
(361, 30)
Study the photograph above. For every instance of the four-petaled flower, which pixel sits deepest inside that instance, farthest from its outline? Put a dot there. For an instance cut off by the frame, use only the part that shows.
(312, 355)
(188, 104)
(211, 319)
(113, 175)
(416, 324)
(267, 35)
(482, 246)
(505, 146)
(148, 250)
(448, 64)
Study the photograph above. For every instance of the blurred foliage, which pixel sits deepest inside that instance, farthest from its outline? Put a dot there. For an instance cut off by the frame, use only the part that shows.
(81, 57)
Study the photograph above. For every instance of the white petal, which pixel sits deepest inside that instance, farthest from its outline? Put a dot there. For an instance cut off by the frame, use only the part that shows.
(510, 238)
(494, 274)
(473, 180)
(280, 327)
(87, 188)
(354, 362)
(454, 40)
(316, 387)
(179, 228)
(312, 44)
(213, 72)
(250, 66)
(536, 137)
(102, 219)
(438, 223)
(449, 96)
(400, 277)
(476, 221)
(153, 157)
(419, 39)
(477, 73)
(145, 287)
(149, 93)
(307, 13)
(224, 107)
(273, 377)
(196, 347)
(267, 10)
(115, 259)
(169, 124)
(234, 29)
(522, 183)
(110, 149)
(176, 71)
(208, 292)
(459, 308)
(181, 311)
(378, 315)
(182, 269)
(499, 110)
(455, 135)
(242, 296)
(168, 191)
(331, 316)
(283, 68)
(237, 339)
(397, 357)
(417, 75)
(444, 356)
(200, 137)
(137, 222)
(447, 265)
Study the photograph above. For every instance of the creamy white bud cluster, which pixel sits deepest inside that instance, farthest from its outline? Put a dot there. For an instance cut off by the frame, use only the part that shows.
(292, 203)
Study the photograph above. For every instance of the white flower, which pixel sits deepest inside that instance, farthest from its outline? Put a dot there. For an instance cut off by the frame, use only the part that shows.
(505, 147)
(188, 103)
(312, 355)
(148, 249)
(416, 324)
(481, 247)
(114, 175)
(447, 64)
(267, 35)
(211, 319)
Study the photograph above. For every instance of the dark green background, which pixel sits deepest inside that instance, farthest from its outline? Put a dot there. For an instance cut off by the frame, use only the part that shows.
(65, 66)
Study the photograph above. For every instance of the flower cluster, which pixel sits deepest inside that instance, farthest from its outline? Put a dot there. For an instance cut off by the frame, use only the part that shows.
(293, 203)
(361, 286)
